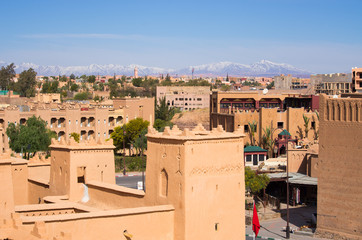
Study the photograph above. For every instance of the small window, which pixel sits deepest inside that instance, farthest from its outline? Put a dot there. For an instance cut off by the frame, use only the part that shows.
(261, 157)
(246, 128)
(313, 125)
(248, 158)
(280, 125)
(199, 99)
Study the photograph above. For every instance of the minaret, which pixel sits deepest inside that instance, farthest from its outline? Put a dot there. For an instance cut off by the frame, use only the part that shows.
(135, 72)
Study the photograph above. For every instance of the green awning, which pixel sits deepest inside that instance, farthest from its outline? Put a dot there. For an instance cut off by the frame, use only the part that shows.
(254, 149)
(284, 133)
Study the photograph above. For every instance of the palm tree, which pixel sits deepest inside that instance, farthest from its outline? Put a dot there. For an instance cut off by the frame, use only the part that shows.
(316, 131)
(267, 140)
(306, 125)
(252, 131)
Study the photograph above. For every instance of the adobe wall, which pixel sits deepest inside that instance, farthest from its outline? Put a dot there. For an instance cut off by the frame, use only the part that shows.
(37, 191)
(111, 196)
(339, 182)
(297, 160)
(73, 164)
(20, 179)
(146, 223)
(6, 189)
(201, 173)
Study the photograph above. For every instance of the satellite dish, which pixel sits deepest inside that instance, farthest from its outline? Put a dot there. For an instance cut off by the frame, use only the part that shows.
(265, 91)
(335, 96)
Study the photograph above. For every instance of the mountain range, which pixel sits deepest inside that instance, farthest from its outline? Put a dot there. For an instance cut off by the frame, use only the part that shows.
(262, 68)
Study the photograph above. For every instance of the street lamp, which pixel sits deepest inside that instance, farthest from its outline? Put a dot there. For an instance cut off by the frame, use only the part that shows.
(142, 158)
(124, 150)
(287, 229)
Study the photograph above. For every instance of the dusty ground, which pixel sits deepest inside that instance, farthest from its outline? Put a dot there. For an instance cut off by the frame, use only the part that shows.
(189, 119)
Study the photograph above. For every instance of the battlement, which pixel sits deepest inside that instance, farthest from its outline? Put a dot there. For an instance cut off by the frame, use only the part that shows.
(198, 133)
(86, 144)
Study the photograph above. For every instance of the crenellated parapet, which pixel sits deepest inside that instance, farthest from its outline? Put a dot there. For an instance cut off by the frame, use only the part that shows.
(199, 132)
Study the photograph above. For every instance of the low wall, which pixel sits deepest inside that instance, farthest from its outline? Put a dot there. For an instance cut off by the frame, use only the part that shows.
(37, 190)
(111, 196)
(144, 223)
(297, 161)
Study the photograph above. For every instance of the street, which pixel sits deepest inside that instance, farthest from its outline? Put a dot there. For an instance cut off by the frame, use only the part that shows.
(128, 181)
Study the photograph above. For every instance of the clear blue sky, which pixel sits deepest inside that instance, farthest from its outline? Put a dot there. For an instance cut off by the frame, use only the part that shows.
(323, 36)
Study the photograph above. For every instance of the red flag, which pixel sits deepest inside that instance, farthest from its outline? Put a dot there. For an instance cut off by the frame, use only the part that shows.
(256, 225)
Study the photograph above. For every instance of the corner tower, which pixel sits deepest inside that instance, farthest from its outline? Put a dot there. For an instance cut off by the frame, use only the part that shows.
(74, 164)
(201, 173)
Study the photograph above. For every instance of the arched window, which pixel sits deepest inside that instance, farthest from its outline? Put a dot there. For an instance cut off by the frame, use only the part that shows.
(164, 183)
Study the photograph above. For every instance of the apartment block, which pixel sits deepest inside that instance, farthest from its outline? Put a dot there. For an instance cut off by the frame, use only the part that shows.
(332, 84)
(357, 80)
(185, 98)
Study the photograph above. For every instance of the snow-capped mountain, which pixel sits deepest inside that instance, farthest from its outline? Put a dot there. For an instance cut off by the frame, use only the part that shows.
(262, 68)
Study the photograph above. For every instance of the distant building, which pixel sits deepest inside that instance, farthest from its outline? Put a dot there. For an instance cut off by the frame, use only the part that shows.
(284, 111)
(185, 98)
(91, 121)
(288, 82)
(332, 84)
(357, 80)
(135, 72)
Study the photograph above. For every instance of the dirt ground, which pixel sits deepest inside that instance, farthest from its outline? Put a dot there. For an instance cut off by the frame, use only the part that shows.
(189, 119)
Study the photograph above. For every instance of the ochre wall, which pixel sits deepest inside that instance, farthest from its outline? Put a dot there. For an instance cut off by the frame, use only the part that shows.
(297, 160)
(148, 224)
(110, 196)
(205, 181)
(37, 191)
(20, 180)
(340, 165)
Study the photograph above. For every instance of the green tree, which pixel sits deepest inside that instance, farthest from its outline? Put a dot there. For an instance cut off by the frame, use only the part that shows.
(163, 111)
(81, 96)
(252, 130)
(76, 136)
(74, 87)
(270, 86)
(50, 87)
(31, 137)
(316, 131)
(26, 83)
(72, 76)
(113, 88)
(63, 78)
(137, 82)
(132, 131)
(267, 141)
(91, 79)
(254, 182)
(306, 125)
(6, 75)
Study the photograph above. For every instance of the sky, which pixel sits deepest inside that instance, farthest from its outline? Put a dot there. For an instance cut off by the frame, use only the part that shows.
(322, 36)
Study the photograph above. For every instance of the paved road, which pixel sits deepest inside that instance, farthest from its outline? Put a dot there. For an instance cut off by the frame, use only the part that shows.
(128, 181)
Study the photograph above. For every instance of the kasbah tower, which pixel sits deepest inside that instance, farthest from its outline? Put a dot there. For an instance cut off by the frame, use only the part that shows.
(201, 174)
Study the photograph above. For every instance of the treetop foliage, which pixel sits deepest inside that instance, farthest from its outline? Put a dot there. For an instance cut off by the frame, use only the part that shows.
(6, 75)
(132, 130)
(255, 182)
(31, 137)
